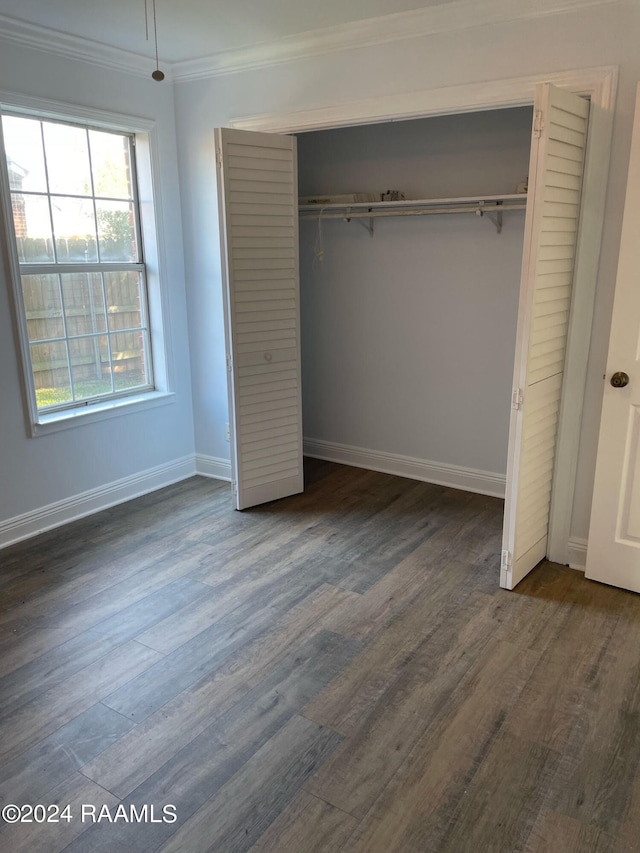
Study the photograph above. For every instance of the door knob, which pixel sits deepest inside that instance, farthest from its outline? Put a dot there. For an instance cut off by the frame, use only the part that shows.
(620, 379)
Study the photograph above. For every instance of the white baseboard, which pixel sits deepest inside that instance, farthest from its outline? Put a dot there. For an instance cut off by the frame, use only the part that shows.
(71, 509)
(213, 466)
(577, 553)
(62, 512)
(467, 479)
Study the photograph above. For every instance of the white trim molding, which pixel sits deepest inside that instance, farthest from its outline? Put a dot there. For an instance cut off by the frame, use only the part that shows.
(453, 476)
(598, 83)
(577, 553)
(86, 503)
(366, 33)
(63, 110)
(76, 47)
(214, 467)
(373, 32)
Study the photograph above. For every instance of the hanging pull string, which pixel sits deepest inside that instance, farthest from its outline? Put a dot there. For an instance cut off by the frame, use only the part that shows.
(318, 248)
(155, 35)
(157, 74)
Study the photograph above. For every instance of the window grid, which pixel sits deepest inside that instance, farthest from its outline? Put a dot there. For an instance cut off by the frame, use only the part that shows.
(65, 327)
(127, 349)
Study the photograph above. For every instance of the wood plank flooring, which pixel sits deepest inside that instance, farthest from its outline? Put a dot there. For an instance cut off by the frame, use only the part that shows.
(337, 672)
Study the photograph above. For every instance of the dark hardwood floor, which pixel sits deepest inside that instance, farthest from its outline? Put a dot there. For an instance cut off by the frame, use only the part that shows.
(333, 673)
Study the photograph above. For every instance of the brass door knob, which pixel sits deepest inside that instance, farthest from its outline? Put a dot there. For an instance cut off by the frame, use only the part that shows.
(620, 379)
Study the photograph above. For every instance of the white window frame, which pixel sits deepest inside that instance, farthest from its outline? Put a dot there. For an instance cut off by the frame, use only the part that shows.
(150, 213)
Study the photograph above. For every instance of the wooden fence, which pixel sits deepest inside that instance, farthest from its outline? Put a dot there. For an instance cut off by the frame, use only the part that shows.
(86, 313)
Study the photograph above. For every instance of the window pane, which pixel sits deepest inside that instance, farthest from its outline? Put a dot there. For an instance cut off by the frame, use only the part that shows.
(51, 374)
(90, 366)
(73, 204)
(84, 303)
(25, 158)
(110, 165)
(123, 300)
(43, 307)
(32, 224)
(75, 230)
(127, 352)
(116, 231)
(67, 153)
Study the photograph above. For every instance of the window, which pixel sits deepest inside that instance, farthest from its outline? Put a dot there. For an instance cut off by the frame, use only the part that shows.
(83, 291)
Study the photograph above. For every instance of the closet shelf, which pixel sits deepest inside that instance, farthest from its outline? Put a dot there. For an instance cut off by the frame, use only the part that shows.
(491, 206)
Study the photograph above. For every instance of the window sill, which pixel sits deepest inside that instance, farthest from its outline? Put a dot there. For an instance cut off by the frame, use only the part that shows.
(56, 421)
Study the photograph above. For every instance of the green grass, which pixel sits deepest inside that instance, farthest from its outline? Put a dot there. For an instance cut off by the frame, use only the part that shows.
(84, 390)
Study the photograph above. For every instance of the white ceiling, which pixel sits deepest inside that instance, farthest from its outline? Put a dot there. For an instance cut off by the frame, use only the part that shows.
(204, 38)
(190, 29)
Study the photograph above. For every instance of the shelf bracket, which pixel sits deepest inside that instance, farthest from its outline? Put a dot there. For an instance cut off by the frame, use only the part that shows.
(497, 219)
(367, 226)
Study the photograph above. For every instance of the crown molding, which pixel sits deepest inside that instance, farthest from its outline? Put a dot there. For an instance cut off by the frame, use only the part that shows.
(372, 32)
(75, 47)
(598, 83)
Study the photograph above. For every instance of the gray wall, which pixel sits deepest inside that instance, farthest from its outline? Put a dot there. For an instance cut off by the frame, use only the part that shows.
(590, 37)
(408, 337)
(35, 472)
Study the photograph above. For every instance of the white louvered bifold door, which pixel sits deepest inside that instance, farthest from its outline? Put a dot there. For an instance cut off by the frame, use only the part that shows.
(259, 230)
(555, 183)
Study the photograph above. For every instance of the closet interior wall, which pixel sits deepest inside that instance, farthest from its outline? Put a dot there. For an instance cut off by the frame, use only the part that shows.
(408, 336)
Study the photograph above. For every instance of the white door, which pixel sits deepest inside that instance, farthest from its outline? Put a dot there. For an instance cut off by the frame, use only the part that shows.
(613, 554)
(551, 227)
(258, 196)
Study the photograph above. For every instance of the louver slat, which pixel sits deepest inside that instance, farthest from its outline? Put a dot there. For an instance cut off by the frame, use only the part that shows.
(548, 270)
(260, 260)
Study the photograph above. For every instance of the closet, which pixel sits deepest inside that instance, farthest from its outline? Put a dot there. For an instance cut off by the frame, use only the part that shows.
(409, 323)
(408, 333)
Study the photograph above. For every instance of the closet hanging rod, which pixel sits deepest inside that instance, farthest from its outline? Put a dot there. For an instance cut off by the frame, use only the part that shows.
(350, 213)
(419, 202)
(480, 205)
(511, 201)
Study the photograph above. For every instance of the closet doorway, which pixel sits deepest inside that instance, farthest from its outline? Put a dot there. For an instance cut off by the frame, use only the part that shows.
(409, 307)
(258, 207)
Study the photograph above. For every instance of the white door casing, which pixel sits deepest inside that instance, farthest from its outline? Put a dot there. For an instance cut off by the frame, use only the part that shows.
(551, 228)
(598, 84)
(613, 554)
(257, 194)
